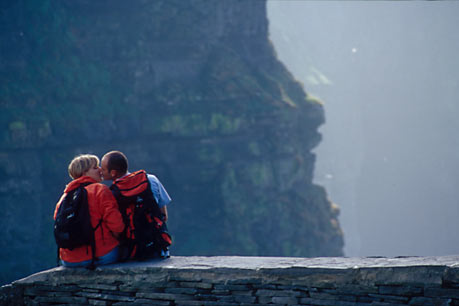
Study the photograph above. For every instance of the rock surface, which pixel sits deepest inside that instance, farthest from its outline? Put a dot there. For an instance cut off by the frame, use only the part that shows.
(248, 281)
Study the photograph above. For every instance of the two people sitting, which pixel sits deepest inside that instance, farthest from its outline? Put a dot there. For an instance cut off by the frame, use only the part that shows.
(128, 219)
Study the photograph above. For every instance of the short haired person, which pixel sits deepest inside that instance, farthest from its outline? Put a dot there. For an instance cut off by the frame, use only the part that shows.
(114, 165)
(103, 209)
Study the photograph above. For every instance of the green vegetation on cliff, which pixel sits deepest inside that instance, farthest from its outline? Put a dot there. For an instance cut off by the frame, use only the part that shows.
(199, 100)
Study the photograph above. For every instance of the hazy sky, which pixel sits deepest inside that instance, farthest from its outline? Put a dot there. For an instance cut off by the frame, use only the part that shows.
(388, 74)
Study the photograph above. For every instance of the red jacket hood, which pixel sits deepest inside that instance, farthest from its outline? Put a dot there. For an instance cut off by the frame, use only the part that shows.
(76, 183)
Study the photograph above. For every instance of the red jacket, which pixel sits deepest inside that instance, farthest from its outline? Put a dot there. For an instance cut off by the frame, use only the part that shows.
(102, 205)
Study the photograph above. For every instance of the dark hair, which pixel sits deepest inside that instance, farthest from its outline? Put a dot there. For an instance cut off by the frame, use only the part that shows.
(117, 161)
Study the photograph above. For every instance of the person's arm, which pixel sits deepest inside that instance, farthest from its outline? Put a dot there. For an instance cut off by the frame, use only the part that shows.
(160, 194)
(58, 205)
(164, 211)
(111, 214)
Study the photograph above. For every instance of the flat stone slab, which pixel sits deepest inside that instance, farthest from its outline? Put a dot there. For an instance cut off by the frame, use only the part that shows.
(271, 265)
(256, 263)
(236, 280)
(322, 262)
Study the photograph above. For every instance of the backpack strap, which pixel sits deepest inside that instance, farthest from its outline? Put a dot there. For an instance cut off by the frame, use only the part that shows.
(92, 265)
(58, 257)
(122, 205)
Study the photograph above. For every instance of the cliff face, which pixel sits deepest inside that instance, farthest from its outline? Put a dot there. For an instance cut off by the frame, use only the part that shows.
(189, 90)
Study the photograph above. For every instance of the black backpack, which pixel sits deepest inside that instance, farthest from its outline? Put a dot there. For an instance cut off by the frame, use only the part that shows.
(72, 226)
(145, 229)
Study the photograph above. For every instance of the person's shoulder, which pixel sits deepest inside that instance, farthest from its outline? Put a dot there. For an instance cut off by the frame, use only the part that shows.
(98, 187)
(102, 192)
(152, 177)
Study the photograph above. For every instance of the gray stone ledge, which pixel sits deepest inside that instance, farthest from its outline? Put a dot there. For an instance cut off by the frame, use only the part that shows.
(236, 280)
(325, 272)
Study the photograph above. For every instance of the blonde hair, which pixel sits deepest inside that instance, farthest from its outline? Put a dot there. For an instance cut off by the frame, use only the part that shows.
(82, 163)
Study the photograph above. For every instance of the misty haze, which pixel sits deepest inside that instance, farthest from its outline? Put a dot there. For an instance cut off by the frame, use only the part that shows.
(388, 75)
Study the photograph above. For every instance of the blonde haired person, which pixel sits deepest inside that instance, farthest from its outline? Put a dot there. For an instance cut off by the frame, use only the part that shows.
(81, 164)
(103, 208)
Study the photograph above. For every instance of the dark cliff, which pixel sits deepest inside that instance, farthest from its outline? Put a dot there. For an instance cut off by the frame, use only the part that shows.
(191, 91)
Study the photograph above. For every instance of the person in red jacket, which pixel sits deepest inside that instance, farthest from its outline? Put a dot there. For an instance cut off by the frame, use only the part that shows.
(103, 207)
